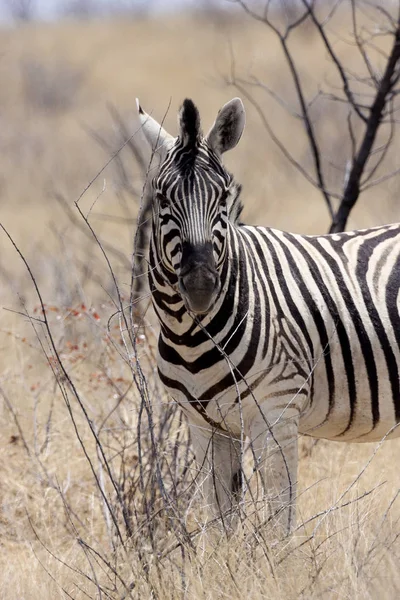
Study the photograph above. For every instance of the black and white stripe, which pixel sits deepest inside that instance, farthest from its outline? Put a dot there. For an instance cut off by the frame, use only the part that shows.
(266, 333)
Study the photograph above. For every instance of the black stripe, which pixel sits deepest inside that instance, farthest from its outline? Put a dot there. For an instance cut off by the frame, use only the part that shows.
(201, 409)
(294, 311)
(314, 312)
(392, 293)
(366, 251)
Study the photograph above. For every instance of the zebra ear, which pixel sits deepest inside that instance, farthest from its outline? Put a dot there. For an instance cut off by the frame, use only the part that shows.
(159, 140)
(228, 127)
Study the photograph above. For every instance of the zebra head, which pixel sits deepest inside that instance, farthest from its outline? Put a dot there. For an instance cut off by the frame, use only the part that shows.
(194, 197)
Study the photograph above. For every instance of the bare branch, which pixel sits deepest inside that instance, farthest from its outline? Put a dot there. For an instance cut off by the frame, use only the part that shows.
(319, 182)
(276, 140)
(383, 94)
(336, 61)
(360, 45)
(308, 124)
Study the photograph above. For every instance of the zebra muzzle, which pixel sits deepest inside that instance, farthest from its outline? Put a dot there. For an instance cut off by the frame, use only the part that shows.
(199, 289)
(199, 281)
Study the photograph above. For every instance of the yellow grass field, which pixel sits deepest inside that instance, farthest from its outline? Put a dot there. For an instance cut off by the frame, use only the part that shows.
(86, 444)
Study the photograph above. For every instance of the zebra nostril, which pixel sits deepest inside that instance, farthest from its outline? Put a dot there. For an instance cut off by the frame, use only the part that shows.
(199, 288)
(199, 281)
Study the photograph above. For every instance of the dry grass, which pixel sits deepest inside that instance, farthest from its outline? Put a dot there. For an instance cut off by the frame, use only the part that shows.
(55, 533)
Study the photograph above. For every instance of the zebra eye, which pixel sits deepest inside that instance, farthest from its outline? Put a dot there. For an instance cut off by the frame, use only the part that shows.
(224, 197)
(163, 202)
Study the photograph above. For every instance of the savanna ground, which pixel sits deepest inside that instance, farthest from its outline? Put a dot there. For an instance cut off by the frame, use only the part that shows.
(95, 464)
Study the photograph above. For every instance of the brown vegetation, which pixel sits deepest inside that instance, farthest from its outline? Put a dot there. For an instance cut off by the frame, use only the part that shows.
(57, 537)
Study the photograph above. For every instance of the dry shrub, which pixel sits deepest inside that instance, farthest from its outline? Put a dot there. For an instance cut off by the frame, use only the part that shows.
(98, 482)
(50, 87)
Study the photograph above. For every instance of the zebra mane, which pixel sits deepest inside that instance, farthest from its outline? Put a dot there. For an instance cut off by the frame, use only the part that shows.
(235, 205)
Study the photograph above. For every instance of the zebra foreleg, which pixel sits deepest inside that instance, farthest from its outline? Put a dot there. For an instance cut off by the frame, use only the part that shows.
(274, 441)
(218, 456)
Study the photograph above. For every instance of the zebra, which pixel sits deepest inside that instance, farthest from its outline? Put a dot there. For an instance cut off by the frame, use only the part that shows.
(264, 334)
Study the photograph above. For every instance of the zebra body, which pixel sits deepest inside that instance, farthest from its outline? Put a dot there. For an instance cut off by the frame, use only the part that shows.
(265, 334)
(332, 375)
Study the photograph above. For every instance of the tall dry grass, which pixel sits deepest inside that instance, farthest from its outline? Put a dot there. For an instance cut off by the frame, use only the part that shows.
(96, 485)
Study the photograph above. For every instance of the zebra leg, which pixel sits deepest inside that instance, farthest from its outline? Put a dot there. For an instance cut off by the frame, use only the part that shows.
(274, 440)
(220, 478)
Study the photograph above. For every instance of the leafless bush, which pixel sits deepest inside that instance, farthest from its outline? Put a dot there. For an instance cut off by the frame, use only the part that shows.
(82, 9)
(137, 449)
(50, 87)
(88, 9)
(130, 194)
(21, 10)
(368, 97)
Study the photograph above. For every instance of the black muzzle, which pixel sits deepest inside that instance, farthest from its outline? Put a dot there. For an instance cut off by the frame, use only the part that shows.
(199, 281)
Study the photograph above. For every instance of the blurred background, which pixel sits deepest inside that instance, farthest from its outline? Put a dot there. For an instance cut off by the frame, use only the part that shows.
(70, 71)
